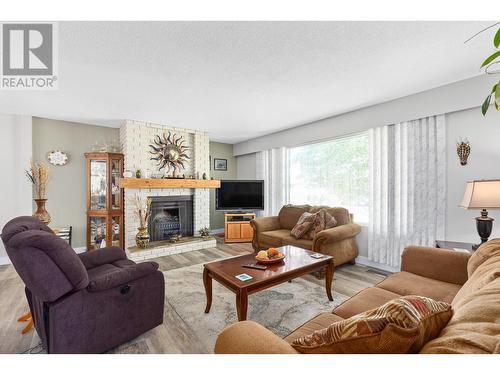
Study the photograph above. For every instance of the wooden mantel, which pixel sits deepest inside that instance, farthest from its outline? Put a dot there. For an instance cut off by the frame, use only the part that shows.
(158, 183)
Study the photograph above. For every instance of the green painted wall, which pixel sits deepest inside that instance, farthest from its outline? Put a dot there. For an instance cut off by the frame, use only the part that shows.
(66, 191)
(220, 151)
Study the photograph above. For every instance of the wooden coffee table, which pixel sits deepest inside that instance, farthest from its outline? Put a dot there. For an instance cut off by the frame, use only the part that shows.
(298, 262)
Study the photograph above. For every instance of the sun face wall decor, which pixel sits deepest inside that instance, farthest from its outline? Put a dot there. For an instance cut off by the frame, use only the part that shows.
(170, 152)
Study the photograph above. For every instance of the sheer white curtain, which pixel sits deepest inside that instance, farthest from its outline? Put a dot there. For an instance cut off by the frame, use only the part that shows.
(272, 167)
(408, 187)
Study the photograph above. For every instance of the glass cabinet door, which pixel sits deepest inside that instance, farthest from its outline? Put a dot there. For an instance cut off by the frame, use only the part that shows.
(115, 190)
(97, 232)
(115, 231)
(98, 177)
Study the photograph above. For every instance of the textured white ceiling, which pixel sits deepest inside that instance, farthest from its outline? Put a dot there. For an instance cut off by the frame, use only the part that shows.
(239, 80)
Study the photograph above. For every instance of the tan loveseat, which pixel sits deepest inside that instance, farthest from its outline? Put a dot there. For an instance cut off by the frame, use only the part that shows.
(470, 283)
(339, 242)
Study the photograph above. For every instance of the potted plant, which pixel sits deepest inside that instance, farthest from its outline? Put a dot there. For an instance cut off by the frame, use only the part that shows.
(489, 65)
(204, 233)
(39, 175)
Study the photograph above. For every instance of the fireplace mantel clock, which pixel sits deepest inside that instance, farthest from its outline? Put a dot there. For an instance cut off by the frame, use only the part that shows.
(104, 200)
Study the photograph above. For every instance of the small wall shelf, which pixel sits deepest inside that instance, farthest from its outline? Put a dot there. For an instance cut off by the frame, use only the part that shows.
(157, 183)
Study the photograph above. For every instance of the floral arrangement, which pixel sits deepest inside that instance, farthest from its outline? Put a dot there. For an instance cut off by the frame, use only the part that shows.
(39, 175)
(142, 209)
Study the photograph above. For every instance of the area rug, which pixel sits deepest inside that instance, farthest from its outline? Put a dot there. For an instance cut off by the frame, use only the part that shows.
(281, 309)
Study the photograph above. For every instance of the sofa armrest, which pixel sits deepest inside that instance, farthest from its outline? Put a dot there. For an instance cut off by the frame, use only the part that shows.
(264, 224)
(336, 234)
(439, 264)
(95, 258)
(248, 337)
(120, 276)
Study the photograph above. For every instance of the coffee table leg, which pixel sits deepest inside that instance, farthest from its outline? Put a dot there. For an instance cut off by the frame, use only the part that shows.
(207, 281)
(242, 304)
(329, 280)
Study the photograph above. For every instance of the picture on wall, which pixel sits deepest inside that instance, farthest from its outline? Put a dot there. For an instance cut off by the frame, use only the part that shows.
(220, 164)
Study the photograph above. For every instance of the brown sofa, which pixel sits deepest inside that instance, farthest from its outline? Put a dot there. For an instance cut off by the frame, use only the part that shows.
(339, 242)
(470, 283)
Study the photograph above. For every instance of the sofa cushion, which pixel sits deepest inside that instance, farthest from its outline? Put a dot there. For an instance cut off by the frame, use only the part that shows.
(302, 242)
(318, 322)
(367, 299)
(406, 283)
(290, 214)
(303, 226)
(482, 276)
(402, 325)
(475, 325)
(273, 237)
(488, 250)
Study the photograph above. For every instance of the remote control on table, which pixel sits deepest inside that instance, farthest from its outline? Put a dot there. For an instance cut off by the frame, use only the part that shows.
(256, 266)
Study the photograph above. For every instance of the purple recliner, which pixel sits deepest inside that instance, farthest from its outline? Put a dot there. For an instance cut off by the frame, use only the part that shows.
(87, 303)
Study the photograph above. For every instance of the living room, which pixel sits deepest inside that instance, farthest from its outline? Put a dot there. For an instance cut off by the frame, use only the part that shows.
(250, 187)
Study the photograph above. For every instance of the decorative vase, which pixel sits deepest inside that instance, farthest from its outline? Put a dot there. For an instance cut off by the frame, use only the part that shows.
(142, 237)
(41, 213)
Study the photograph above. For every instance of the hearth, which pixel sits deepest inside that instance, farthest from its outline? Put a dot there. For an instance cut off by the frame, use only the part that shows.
(170, 215)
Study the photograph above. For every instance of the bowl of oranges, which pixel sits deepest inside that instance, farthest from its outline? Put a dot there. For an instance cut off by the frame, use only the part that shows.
(269, 256)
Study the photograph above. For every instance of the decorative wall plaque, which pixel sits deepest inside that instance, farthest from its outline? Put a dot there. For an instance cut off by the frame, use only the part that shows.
(57, 158)
(169, 151)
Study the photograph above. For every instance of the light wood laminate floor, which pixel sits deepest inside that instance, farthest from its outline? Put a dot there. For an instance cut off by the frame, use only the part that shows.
(174, 336)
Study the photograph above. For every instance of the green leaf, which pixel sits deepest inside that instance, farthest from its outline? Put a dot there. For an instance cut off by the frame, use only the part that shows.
(497, 93)
(490, 59)
(486, 104)
(496, 40)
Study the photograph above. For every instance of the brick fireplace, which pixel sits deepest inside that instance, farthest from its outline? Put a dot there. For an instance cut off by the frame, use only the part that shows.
(135, 137)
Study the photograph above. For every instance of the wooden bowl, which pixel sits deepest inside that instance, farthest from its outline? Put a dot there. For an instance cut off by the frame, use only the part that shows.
(271, 261)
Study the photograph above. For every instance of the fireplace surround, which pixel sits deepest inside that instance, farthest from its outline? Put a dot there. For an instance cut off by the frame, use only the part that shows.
(135, 137)
(170, 215)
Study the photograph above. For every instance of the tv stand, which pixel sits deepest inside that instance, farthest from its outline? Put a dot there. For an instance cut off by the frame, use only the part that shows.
(237, 227)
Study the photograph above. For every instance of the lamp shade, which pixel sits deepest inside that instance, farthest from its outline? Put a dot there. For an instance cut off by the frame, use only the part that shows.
(481, 194)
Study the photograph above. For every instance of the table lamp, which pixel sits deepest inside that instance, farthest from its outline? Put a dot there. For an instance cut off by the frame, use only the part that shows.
(482, 195)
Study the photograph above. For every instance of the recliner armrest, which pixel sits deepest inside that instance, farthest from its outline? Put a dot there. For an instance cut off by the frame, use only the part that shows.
(435, 263)
(264, 224)
(120, 275)
(95, 258)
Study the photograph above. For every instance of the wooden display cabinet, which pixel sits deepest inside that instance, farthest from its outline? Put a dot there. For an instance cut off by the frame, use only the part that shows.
(104, 200)
(237, 227)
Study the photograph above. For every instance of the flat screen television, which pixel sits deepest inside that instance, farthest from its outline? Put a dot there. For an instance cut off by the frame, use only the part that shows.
(240, 195)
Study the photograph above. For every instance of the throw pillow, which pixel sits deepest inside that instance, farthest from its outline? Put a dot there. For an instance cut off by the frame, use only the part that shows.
(303, 225)
(402, 325)
(322, 221)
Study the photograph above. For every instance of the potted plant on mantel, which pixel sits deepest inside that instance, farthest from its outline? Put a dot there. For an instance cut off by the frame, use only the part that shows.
(142, 212)
(39, 175)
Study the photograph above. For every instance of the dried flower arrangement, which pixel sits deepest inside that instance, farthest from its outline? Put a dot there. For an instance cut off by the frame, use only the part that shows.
(142, 209)
(39, 175)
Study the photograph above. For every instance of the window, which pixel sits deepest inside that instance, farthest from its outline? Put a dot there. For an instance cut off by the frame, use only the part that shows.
(332, 173)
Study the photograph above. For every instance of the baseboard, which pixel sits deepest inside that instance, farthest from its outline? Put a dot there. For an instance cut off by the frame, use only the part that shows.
(217, 231)
(364, 261)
